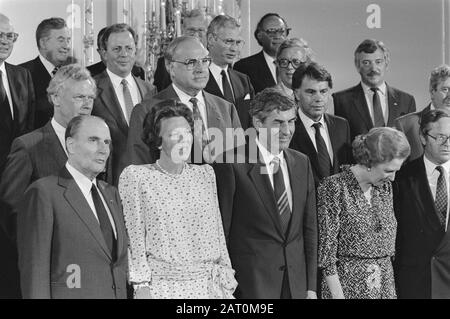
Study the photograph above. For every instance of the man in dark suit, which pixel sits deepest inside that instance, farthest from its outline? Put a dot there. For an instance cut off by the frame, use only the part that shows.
(325, 138)
(16, 118)
(53, 41)
(268, 205)
(421, 193)
(71, 234)
(372, 103)
(270, 32)
(187, 61)
(194, 24)
(118, 91)
(224, 44)
(440, 99)
(100, 66)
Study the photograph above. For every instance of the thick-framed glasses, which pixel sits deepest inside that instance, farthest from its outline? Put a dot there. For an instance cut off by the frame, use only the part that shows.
(9, 36)
(284, 63)
(277, 32)
(440, 139)
(193, 63)
(230, 42)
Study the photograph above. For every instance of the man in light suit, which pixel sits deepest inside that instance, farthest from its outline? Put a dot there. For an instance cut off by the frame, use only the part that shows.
(440, 99)
(421, 193)
(372, 103)
(53, 41)
(224, 45)
(187, 61)
(118, 91)
(332, 147)
(16, 118)
(270, 32)
(71, 234)
(268, 205)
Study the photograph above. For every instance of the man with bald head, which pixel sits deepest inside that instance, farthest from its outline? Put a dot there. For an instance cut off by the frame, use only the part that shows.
(16, 118)
(194, 24)
(187, 61)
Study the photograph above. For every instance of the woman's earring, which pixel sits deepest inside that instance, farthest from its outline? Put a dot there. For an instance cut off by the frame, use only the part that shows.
(368, 169)
(160, 147)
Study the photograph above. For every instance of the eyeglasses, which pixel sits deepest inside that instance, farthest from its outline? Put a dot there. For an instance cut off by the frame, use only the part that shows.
(440, 139)
(284, 63)
(230, 42)
(81, 98)
(192, 63)
(274, 32)
(9, 36)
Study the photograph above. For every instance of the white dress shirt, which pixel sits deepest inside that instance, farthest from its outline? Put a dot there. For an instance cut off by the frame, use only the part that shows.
(433, 175)
(267, 158)
(5, 82)
(184, 98)
(118, 88)
(60, 133)
(270, 63)
(85, 185)
(308, 123)
(382, 93)
(47, 64)
(217, 74)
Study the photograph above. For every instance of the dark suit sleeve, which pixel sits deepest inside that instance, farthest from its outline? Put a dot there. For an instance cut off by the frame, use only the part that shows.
(226, 187)
(35, 223)
(234, 117)
(137, 151)
(310, 231)
(412, 105)
(15, 180)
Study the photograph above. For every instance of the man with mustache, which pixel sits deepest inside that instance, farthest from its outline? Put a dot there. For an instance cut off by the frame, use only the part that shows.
(421, 203)
(118, 91)
(372, 103)
(440, 100)
(224, 45)
(53, 41)
(270, 32)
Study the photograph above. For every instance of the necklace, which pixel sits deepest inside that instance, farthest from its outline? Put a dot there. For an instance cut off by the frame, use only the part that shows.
(167, 173)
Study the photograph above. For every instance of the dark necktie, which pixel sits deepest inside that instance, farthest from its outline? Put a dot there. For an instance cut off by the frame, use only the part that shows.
(281, 194)
(55, 70)
(127, 98)
(227, 92)
(378, 118)
(4, 102)
(200, 137)
(103, 219)
(322, 153)
(441, 200)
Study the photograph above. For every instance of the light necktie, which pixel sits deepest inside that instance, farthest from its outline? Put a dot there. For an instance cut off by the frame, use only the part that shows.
(227, 92)
(103, 219)
(280, 192)
(322, 153)
(200, 137)
(127, 99)
(378, 118)
(441, 200)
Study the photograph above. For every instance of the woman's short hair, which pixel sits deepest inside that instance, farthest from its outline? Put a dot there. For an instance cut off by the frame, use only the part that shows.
(152, 123)
(296, 43)
(380, 145)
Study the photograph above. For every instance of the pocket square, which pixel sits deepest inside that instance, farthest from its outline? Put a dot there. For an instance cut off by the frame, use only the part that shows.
(247, 97)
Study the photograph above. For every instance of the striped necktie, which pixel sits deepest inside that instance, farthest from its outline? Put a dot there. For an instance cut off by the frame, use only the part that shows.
(441, 200)
(281, 194)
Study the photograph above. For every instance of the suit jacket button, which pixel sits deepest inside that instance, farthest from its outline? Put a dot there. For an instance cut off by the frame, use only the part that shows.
(282, 268)
(113, 287)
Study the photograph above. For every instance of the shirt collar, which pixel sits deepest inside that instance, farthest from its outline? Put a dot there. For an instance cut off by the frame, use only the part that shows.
(308, 122)
(287, 90)
(216, 70)
(381, 88)
(430, 167)
(432, 107)
(3, 68)
(184, 97)
(117, 80)
(47, 64)
(266, 155)
(82, 181)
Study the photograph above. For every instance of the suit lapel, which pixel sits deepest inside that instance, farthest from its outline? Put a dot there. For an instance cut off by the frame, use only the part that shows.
(212, 113)
(143, 90)
(15, 90)
(296, 183)
(360, 105)
(334, 138)
(78, 202)
(393, 108)
(53, 145)
(212, 86)
(305, 144)
(264, 70)
(238, 89)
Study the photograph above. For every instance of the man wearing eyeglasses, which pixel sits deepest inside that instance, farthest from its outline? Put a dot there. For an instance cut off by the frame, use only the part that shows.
(187, 61)
(42, 152)
(372, 103)
(440, 100)
(118, 92)
(194, 24)
(224, 45)
(53, 41)
(16, 118)
(421, 202)
(270, 32)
